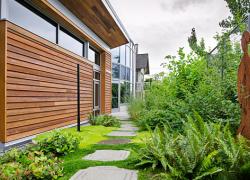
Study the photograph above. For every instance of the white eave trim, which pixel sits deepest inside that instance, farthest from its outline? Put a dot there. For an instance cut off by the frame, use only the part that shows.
(117, 19)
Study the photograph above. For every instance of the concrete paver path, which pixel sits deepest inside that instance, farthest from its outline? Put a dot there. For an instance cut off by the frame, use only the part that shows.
(110, 172)
(115, 141)
(122, 133)
(108, 155)
(105, 173)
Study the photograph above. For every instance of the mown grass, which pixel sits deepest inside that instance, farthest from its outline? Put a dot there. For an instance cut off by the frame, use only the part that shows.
(89, 137)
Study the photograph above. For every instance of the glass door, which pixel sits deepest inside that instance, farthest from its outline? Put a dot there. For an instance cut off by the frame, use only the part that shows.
(96, 93)
(115, 95)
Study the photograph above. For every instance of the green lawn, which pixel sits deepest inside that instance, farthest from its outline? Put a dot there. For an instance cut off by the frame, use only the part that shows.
(89, 136)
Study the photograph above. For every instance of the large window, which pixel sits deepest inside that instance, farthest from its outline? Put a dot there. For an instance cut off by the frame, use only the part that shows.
(122, 55)
(115, 71)
(123, 72)
(128, 74)
(94, 56)
(115, 55)
(115, 95)
(127, 56)
(27, 17)
(125, 92)
(68, 41)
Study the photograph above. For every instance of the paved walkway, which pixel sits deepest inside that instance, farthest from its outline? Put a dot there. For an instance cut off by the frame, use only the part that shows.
(111, 172)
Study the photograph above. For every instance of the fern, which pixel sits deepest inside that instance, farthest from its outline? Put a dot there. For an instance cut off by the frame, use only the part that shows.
(202, 150)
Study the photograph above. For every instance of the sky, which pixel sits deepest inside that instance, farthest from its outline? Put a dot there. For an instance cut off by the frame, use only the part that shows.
(160, 27)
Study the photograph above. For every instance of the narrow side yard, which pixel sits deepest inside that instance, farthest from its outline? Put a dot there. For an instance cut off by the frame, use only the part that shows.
(90, 138)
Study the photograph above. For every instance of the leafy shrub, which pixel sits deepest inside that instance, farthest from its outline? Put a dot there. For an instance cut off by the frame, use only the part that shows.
(59, 143)
(153, 118)
(11, 170)
(202, 150)
(135, 108)
(191, 84)
(11, 156)
(104, 120)
(24, 164)
(43, 167)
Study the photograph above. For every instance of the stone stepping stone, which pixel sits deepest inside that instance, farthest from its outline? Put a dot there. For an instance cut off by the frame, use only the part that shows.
(126, 122)
(115, 141)
(105, 173)
(122, 133)
(127, 125)
(128, 129)
(108, 155)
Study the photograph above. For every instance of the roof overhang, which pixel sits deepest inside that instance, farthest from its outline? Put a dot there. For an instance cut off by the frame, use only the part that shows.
(99, 18)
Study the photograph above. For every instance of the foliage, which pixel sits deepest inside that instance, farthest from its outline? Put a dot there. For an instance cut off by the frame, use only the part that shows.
(195, 82)
(43, 167)
(87, 136)
(239, 10)
(59, 143)
(202, 150)
(11, 170)
(104, 120)
(153, 118)
(26, 164)
(135, 107)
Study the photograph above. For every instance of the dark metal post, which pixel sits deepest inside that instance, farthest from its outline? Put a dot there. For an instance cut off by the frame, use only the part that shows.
(78, 99)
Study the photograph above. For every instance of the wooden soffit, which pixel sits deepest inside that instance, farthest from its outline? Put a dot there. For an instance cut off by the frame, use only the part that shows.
(96, 16)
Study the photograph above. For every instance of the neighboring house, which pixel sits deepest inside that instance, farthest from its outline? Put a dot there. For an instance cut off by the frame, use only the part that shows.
(142, 69)
(43, 42)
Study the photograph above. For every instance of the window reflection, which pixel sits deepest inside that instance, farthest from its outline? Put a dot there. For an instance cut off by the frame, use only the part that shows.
(23, 15)
(67, 41)
(127, 73)
(123, 72)
(122, 55)
(127, 56)
(116, 71)
(115, 55)
(125, 92)
(94, 56)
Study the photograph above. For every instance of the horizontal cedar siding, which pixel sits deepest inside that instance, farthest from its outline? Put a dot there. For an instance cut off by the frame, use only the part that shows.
(107, 83)
(42, 85)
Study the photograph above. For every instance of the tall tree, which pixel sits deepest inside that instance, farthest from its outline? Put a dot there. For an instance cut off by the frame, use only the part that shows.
(197, 47)
(239, 10)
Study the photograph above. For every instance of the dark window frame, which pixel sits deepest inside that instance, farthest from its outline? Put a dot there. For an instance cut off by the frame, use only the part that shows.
(57, 26)
(37, 12)
(97, 54)
(74, 37)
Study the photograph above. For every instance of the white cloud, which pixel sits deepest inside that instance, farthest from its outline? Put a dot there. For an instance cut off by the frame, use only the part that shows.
(160, 27)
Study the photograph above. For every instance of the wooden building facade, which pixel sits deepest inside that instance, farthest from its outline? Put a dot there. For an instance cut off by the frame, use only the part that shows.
(38, 75)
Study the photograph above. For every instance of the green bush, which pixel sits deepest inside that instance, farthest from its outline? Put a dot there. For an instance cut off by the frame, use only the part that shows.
(12, 170)
(11, 156)
(202, 150)
(191, 84)
(153, 118)
(59, 143)
(104, 120)
(43, 167)
(25, 164)
(135, 108)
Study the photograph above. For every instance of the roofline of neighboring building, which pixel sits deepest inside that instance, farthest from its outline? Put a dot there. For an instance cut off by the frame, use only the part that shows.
(117, 19)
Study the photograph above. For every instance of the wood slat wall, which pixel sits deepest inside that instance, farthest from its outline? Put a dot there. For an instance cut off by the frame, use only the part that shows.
(3, 43)
(42, 85)
(106, 83)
